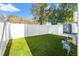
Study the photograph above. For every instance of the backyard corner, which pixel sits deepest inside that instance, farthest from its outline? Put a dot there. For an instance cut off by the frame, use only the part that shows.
(34, 29)
(41, 45)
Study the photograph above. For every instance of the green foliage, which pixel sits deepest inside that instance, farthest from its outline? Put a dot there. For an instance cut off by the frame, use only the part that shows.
(64, 12)
(56, 13)
(67, 10)
(38, 10)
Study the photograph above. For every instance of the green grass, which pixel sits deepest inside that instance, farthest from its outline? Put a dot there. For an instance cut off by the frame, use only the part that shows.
(41, 45)
(18, 47)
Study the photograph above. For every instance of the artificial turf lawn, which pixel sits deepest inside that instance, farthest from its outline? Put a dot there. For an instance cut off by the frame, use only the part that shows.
(41, 45)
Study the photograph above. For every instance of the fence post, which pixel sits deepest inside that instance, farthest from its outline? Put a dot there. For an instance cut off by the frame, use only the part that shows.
(4, 37)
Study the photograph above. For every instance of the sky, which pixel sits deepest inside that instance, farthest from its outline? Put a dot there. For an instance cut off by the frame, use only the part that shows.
(17, 9)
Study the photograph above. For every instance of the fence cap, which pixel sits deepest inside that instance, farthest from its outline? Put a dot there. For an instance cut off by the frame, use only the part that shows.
(3, 18)
(48, 23)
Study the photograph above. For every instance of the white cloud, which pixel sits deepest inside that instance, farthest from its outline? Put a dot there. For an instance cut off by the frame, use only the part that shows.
(8, 7)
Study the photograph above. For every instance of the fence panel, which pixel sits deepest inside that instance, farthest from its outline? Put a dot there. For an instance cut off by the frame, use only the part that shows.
(17, 30)
(24, 30)
(53, 29)
(1, 29)
(43, 29)
(4, 36)
(32, 30)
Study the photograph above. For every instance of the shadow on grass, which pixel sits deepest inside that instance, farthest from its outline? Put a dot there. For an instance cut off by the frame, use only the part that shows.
(73, 50)
(8, 45)
(46, 45)
(8, 48)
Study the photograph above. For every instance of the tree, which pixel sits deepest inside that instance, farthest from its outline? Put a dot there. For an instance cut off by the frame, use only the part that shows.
(67, 10)
(38, 11)
(63, 12)
(53, 16)
(56, 13)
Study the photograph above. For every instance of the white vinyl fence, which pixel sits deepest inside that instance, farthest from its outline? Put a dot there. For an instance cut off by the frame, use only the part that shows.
(24, 30)
(4, 37)
(11, 31)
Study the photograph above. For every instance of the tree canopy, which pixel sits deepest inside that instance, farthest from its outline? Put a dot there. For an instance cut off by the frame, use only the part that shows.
(53, 12)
